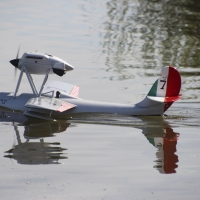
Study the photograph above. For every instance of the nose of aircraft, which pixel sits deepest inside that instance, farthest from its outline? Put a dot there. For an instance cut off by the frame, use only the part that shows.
(14, 62)
(68, 67)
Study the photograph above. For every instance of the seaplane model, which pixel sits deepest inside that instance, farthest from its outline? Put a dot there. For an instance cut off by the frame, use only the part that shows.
(59, 100)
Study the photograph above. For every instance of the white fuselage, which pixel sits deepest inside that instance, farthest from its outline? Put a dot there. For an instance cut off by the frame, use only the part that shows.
(82, 106)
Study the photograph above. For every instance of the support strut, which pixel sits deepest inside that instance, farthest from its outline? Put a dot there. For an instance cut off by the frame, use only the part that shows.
(30, 79)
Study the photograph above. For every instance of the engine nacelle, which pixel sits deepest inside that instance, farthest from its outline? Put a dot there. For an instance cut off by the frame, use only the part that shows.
(39, 63)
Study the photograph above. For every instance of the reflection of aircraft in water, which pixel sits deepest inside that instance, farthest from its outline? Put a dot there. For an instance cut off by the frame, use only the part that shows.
(156, 130)
(164, 139)
(37, 152)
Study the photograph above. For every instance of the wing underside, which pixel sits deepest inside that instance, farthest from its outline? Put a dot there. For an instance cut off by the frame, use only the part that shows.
(47, 103)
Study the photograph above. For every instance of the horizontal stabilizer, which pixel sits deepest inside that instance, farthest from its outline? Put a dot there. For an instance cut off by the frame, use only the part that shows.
(164, 99)
(172, 99)
(49, 104)
(37, 115)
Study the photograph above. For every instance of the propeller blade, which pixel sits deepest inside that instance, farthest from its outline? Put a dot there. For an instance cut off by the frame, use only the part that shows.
(17, 57)
(15, 62)
(15, 73)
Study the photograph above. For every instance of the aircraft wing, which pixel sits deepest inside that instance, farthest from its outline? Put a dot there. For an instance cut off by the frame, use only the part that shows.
(62, 87)
(49, 104)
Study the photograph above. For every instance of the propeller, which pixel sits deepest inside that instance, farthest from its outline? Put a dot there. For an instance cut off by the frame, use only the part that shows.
(15, 62)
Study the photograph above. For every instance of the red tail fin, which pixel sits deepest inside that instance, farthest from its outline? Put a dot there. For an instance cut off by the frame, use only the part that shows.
(173, 86)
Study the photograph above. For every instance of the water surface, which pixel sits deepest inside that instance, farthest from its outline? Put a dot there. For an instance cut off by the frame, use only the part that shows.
(118, 49)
